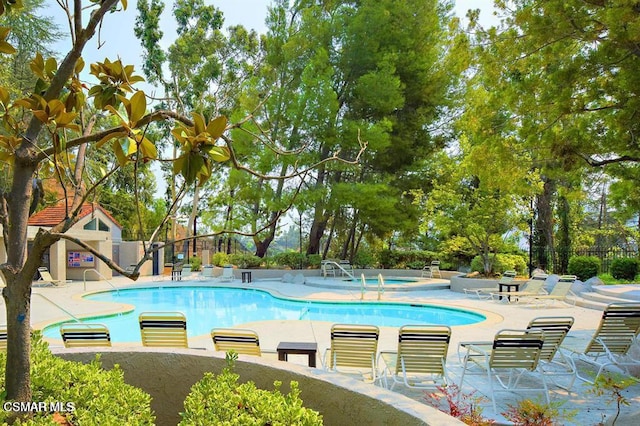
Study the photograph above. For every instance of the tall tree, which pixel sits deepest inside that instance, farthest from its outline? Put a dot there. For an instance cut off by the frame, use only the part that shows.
(564, 76)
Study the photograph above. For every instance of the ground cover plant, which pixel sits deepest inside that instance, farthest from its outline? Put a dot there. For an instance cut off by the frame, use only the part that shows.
(99, 397)
(220, 399)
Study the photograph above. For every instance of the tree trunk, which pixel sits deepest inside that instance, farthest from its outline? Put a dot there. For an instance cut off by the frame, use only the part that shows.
(316, 233)
(17, 299)
(543, 234)
(564, 237)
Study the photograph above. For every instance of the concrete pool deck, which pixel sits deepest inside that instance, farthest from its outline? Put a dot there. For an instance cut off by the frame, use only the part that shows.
(590, 408)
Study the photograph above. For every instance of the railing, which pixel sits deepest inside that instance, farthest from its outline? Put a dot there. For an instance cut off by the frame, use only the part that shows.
(84, 277)
(363, 286)
(58, 306)
(304, 312)
(339, 266)
(380, 286)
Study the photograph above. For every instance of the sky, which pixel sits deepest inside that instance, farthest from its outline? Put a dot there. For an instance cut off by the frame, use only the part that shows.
(117, 38)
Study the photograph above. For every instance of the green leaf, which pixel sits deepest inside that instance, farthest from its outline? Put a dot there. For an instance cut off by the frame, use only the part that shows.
(198, 122)
(148, 149)
(110, 136)
(219, 153)
(217, 127)
(138, 107)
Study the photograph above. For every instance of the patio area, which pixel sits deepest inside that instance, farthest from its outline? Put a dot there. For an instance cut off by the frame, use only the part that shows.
(590, 409)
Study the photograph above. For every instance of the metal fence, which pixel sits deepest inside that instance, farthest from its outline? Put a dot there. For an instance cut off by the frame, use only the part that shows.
(606, 256)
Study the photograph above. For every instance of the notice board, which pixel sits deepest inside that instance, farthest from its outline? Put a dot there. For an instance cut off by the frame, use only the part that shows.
(80, 259)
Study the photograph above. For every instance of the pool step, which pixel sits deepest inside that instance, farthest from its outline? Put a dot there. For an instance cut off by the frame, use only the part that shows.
(602, 296)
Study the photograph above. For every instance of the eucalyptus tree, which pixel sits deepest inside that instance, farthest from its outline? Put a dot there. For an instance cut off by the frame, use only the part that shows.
(564, 73)
(203, 68)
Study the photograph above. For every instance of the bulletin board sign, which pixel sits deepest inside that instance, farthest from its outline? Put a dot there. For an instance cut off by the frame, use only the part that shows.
(80, 259)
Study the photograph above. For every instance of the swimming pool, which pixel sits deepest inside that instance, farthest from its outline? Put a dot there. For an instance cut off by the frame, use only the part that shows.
(209, 307)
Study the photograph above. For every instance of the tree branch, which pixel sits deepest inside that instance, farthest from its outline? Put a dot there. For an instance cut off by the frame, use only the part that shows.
(154, 116)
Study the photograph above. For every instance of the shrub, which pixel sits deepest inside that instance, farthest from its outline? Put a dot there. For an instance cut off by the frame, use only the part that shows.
(363, 259)
(196, 263)
(245, 260)
(220, 259)
(625, 268)
(528, 412)
(100, 397)
(416, 264)
(292, 259)
(220, 399)
(464, 406)
(314, 260)
(584, 267)
(390, 259)
(502, 262)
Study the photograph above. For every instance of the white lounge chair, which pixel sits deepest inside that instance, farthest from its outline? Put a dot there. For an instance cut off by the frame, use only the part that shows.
(46, 278)
(512, 355)
(227, 273)
(610, 344)
(484, 293)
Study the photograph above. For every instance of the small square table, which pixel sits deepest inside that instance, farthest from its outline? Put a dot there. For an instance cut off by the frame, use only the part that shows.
(298, 348)
(246, 276)
(508, 287)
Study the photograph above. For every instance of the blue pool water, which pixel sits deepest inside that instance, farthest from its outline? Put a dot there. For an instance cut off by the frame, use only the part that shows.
(209, 307)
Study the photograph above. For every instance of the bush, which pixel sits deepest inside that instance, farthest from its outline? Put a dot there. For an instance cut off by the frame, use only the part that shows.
(196, 263)
(584, 267)
(100, 397)
(220, 259)
(221, 400)
(399, 259)
(502, 262)
(363, 259)
(245, 261)
(416, 264)
(314, 261)
(292, 259)
(625, 268)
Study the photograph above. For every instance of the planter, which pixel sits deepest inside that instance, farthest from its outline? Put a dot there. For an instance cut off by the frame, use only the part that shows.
(459, 283)
(168, 374)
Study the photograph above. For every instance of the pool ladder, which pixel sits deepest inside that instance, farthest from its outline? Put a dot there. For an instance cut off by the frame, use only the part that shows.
(363, 286)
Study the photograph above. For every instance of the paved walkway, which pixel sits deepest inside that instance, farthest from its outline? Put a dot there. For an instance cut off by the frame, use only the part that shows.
(48, 304)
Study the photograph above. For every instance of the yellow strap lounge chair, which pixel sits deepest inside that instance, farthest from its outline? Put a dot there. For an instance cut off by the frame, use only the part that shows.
(3, 338)
(353, 350)
(420, 361)
(512, 355)
(76, 335)
(610, 344)
(46, 278)
(559, 293)
(241, 341)
(553, 362)
(163, 329)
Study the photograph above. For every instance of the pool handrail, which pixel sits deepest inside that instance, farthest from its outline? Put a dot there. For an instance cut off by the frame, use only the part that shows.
(84, 278)
(336, 264)
(57, 306)
(380, 286)
(363, 286)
